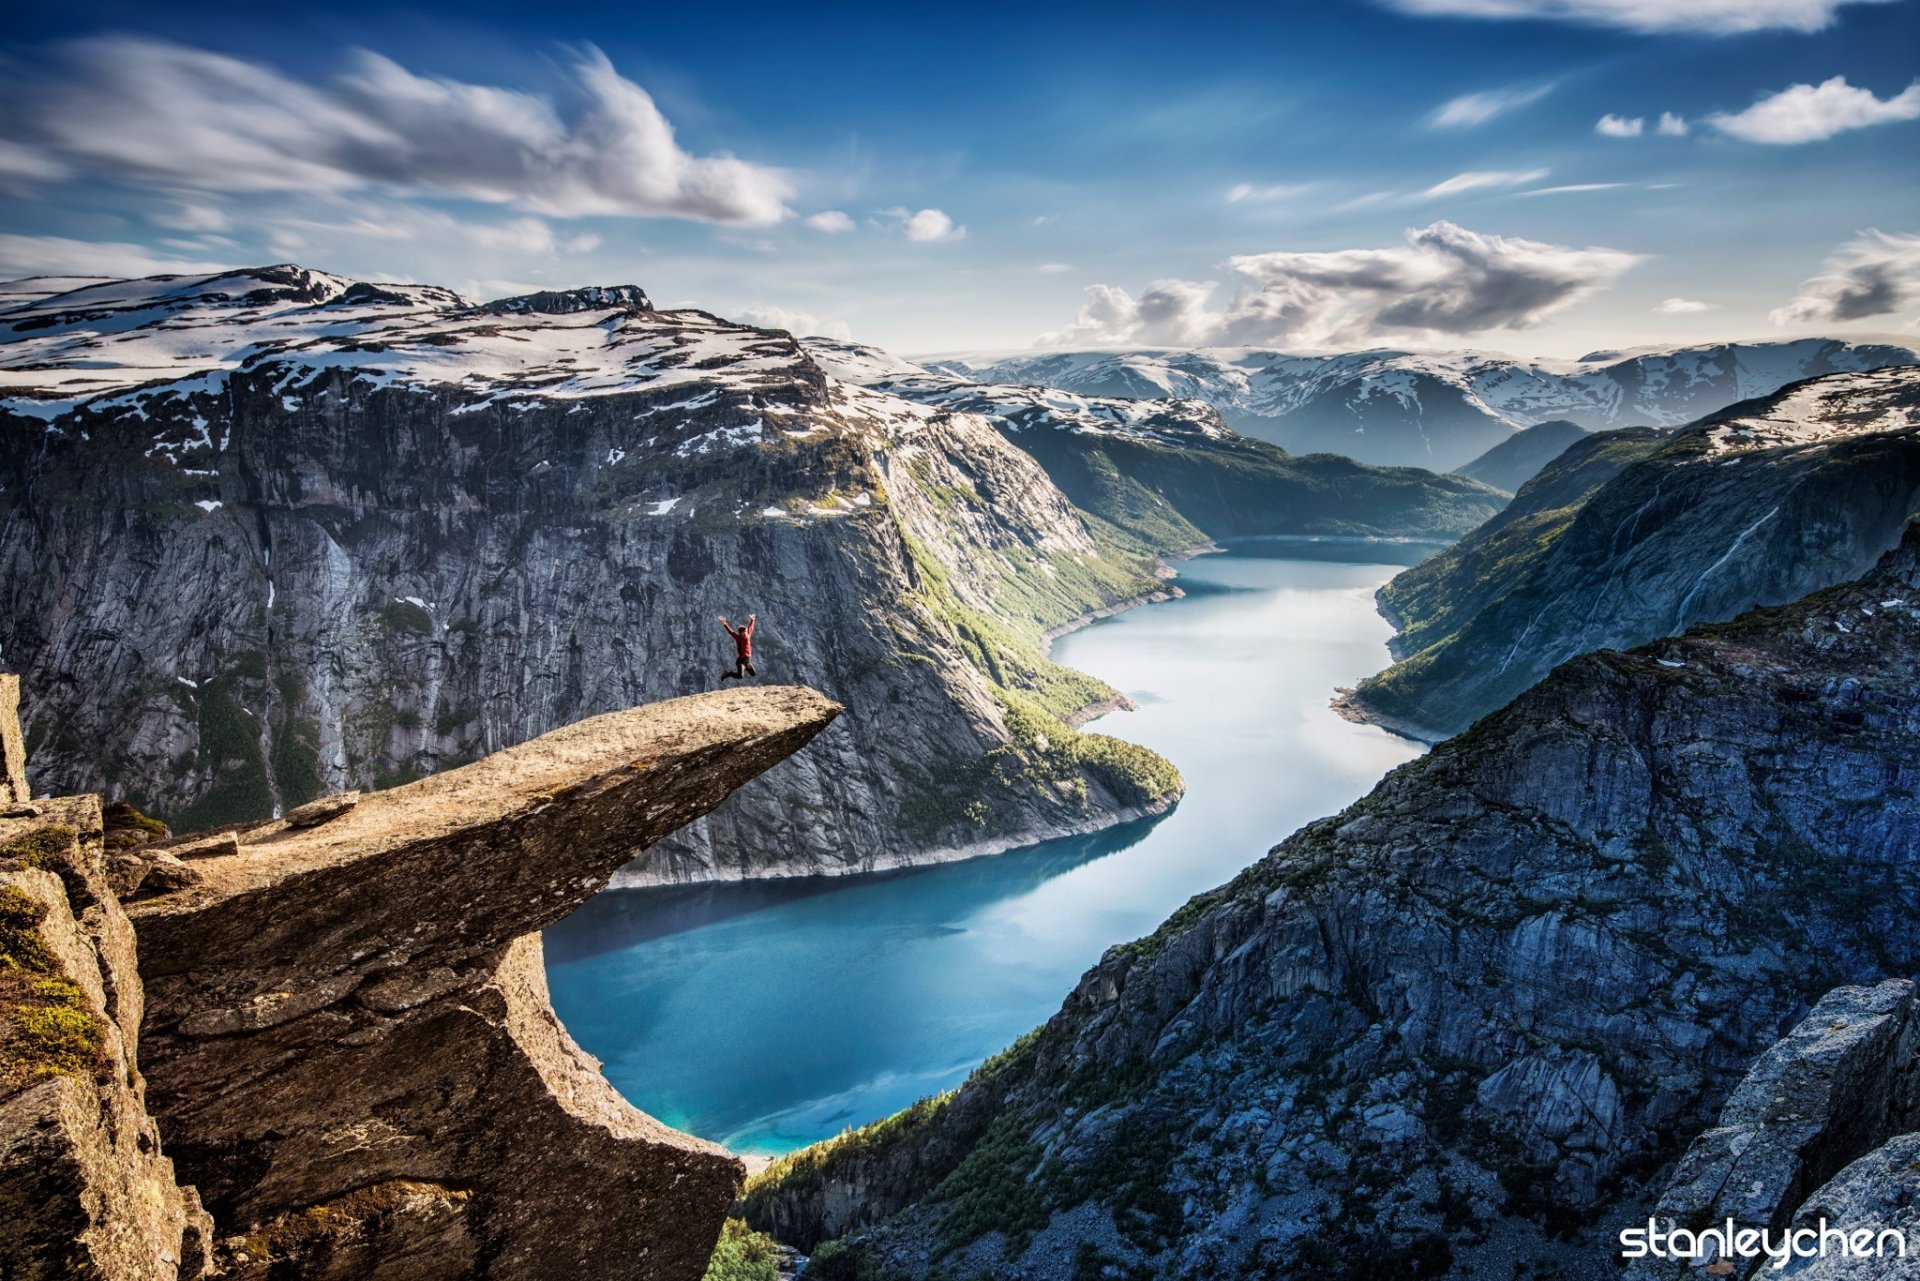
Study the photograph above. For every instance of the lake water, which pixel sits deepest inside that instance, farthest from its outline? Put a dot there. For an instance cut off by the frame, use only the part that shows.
(768, 1016)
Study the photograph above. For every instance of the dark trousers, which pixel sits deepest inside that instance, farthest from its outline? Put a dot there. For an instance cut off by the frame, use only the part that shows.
(742, 666)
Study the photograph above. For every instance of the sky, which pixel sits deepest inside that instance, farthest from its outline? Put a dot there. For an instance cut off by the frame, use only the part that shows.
(1545, 177)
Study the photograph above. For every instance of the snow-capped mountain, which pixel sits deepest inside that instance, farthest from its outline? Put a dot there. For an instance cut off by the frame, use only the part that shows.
(1170, 470)
(1436, 409)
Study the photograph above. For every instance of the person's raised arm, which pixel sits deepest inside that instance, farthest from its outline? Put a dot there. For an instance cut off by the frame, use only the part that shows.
(729, 626)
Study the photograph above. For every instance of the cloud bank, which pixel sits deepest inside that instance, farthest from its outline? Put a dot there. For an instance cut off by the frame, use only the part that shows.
(1871, 275)
(59, 256)
(1712, 17)
(1444, 281)
(1810, 113)
(154, 112)
(799, 323)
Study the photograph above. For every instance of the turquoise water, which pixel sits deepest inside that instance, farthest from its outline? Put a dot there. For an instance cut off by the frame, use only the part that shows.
(767, 1016)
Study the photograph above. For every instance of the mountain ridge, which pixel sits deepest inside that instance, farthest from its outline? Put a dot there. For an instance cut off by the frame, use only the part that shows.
(1438, 409)
(1757, 504)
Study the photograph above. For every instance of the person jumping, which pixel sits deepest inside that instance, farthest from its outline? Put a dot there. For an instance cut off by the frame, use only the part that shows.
(743, 648)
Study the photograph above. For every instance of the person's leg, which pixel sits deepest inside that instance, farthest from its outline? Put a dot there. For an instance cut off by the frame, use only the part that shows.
(727, 676)
(749, 666)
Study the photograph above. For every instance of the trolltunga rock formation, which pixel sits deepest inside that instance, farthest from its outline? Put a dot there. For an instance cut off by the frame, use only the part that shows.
(347, 1044)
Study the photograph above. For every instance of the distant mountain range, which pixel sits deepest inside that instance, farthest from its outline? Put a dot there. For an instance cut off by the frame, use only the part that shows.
(1155, 467)
(1435, 409)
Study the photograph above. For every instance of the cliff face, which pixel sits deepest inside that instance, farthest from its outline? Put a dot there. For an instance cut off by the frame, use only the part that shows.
(272, 535)
(1474, 1011)
(1823, 1127)
(1772, 500)
(1158, 468)
(342, 1029)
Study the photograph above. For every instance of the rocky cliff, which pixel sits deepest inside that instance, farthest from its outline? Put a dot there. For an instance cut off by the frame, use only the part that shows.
(1439, 409)
(1166, 469)
(1458, 1028)
(274, 534)
(1631, 536)
(335, 1025)
(1820, 1135)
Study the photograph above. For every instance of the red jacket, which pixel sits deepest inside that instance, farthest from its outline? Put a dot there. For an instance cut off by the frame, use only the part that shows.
(742, 638)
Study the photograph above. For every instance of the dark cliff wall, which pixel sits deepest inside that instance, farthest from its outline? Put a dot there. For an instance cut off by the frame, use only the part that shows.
(236, 599)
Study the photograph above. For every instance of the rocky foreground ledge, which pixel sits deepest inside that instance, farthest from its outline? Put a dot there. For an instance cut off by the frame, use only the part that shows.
(339, 1028)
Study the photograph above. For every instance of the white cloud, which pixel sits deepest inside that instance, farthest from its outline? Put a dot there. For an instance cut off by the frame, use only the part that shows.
(1612, 126)
(400, 222)
(1805, 113)
(1054, 268)
(193, 217)
(1871, 275)
(928, 225)
(794, 322)
(831, 221)
(59, 256)
(145, 110)
(19, 163)
(1471, 110)
(1444, 281)
(1246, 191)
(1673, 126)
(1684, 307)
(1570, 188)
(1713, 17)
(1482, 180)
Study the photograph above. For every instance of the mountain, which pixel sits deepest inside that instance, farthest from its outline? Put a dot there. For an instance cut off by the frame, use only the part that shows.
(1517, 459)
(1171, 472)
(1437, 409)
(1459, 1028)
(1631, 536)
(275, 533)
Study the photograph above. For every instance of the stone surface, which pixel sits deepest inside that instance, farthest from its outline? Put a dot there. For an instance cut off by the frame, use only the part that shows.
(316, 812)
(1819, 1128)
(85, 1189)
(362, 1004)
(1462, 1022)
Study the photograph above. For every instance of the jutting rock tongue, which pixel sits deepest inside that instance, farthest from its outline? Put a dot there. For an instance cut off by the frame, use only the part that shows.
(348, 1041)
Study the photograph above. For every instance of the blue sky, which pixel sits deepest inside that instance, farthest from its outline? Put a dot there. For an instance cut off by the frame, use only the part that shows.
(1335, 174)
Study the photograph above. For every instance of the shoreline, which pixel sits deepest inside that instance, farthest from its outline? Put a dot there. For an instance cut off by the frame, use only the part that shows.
(623, 880)
(1087, 826)
(1349, 706)
(1165, 572)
